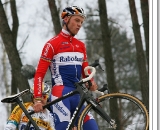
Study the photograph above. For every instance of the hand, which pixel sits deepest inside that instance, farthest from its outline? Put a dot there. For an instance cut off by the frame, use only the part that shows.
(38, 106)
(93, 87)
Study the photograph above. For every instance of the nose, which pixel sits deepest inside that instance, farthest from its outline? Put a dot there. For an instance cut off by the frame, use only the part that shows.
(79, 24)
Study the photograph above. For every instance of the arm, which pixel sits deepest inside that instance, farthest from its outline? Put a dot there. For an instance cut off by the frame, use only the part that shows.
(94, 85)
(85, 64)
(85, 61)
(44, 62)
(39, 76)
(14, 119)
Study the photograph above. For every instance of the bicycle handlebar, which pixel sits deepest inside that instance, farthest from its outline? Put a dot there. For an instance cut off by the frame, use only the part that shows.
(99, 92)
(89, 75)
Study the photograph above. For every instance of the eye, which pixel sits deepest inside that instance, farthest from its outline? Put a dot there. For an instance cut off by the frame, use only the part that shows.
(77, 20)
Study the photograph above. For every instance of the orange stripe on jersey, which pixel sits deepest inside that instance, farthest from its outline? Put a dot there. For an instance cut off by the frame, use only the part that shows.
(45, 59)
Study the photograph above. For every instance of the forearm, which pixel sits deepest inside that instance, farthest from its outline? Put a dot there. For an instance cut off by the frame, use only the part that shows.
(84, 64)
(39, 76)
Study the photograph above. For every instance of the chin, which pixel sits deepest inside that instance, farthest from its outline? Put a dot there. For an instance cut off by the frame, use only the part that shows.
(75, 33)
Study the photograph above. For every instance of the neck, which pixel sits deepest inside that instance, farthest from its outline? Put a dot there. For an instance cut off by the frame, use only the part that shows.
(65, 27)
(65, 31)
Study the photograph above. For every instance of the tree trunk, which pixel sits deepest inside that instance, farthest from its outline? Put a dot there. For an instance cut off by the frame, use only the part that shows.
(140, 55)
(5, 77)
(145, 16)
(106, 38)
(9, 38)
(55, 16)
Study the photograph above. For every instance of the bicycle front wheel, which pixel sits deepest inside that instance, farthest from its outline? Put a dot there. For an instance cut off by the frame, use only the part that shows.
(128, 112)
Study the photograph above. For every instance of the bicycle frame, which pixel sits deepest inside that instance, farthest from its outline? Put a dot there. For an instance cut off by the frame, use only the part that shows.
(84, 97)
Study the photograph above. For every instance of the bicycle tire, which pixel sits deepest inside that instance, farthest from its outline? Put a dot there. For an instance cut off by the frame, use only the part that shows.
(137, 119)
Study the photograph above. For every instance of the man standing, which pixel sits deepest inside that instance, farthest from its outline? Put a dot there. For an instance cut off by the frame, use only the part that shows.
(66, 57)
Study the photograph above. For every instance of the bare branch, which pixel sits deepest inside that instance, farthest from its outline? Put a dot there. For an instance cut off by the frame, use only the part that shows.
(23, 43)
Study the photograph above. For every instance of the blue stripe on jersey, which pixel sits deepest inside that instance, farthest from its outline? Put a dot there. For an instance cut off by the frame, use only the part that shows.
(68, 75)
(66, 68)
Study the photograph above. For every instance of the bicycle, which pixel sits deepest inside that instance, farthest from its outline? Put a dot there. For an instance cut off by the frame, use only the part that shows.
(119, 111)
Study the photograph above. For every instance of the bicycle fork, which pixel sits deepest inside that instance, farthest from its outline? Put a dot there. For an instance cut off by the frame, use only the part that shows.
(102, 113)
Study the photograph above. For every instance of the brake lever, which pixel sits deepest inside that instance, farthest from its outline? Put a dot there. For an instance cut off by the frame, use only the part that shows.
(96, 63)
(101, 67)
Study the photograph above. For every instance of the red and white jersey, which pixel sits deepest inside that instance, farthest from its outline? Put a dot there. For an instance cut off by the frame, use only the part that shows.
(66, 57)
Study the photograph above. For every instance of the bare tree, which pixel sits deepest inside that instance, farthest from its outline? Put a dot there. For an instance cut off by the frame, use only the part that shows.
(145, 16)
(9, 38)
(54, 15)
(106, 38)
(144, 81)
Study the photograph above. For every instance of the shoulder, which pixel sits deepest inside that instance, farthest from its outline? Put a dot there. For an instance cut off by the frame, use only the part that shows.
(54, 39)
(53, 42)
(79, 41)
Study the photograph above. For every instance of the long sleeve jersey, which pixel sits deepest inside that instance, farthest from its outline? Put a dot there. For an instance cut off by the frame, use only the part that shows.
(66, 57)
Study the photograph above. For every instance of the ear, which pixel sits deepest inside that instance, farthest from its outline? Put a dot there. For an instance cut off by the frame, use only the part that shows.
(66, 19)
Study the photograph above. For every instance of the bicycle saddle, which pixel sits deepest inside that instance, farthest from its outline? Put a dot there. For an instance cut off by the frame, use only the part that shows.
(12, 98)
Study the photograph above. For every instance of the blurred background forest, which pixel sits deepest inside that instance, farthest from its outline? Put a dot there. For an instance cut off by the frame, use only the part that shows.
(115, 32)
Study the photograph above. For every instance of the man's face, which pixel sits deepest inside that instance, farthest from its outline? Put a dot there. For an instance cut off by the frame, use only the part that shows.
(74, 23)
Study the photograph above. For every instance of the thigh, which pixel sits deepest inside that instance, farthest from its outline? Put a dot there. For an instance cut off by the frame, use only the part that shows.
(63, 110)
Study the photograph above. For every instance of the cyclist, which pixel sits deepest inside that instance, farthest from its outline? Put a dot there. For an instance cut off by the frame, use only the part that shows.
(44, 119)
(66, 58)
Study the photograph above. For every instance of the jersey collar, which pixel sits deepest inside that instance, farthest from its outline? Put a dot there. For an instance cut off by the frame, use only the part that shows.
(66, 34)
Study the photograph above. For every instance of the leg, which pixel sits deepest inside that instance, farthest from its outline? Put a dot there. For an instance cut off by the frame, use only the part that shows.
(62, 111)
(90, 123)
